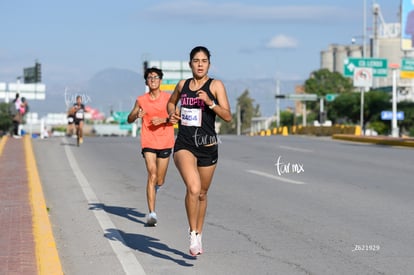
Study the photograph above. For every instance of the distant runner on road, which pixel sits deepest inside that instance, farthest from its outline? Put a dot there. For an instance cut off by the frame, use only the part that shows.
(78, 112)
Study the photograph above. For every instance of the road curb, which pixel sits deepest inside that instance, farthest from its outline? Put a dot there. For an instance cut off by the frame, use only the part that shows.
(2, 143)
(380, 140)
(47, 257)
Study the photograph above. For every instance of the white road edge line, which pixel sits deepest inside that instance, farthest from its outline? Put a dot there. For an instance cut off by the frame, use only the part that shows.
(296, 149)
(126, 257)
(263, 174)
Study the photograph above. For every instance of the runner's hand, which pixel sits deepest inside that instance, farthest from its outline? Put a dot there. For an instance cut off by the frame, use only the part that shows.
(204, 97)
(141, 113)
(174, 117)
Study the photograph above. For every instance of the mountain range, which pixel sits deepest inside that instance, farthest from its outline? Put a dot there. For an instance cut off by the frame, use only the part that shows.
(116, 89)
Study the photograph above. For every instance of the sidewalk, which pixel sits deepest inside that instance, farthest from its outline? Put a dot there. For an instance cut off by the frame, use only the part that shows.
(26, 240)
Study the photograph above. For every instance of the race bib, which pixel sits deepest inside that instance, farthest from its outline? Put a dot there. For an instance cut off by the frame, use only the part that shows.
(79, 115)
(191, 117)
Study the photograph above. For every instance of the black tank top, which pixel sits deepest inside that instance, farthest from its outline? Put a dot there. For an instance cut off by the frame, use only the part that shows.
(196, 127)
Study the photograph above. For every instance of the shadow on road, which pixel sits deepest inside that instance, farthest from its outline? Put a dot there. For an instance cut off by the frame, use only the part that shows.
(148, 245)
(129, 213)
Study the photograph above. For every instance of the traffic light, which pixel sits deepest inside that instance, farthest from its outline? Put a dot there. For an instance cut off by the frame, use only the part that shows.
(38, 72)
(145, 65)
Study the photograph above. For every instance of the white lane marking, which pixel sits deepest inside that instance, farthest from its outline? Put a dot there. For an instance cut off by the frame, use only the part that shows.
(296, 149)
(263, 174)
(126, 257)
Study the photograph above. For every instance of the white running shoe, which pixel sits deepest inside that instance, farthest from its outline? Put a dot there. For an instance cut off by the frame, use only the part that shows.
(194, 244)
(200, 243)
(152, 219)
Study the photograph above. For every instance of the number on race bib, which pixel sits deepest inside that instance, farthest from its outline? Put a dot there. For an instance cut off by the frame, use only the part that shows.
(191, 117)
(79, 115)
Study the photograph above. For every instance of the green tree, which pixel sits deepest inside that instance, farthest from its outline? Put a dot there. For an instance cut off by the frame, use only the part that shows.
(407, 125)
(346, 108)
(380, 127)
(287, 118)
(5, 118)
(247, 112)
(374, 103)
(323, 82)
(228, 128)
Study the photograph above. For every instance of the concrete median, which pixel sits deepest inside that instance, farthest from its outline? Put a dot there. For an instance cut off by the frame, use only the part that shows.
(380, 140)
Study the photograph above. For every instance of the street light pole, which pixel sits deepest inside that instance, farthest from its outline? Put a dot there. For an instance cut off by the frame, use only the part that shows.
(364, 52)
(394, 126)
(277, 104)
(361, 119)
(238, 119)
(364, 47)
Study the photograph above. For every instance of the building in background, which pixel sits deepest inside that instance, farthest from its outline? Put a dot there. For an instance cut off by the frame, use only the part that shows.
(386, 42)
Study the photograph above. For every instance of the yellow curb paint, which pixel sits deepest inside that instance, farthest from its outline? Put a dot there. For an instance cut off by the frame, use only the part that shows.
(374, 140)
(2, 143)
(47, 257)
(285, 131)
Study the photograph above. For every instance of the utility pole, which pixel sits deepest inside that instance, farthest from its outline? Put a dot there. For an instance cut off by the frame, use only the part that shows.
(304, 118)
(238, 119)
(277, 103)
(364, 39)
(321, 111)
(395, 131)
(364, 52)
(361, 113)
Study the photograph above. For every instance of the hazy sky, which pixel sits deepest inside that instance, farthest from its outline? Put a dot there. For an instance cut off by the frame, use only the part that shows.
(75, 39)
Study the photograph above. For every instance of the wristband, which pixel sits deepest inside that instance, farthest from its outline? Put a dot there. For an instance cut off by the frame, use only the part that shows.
(212, 105)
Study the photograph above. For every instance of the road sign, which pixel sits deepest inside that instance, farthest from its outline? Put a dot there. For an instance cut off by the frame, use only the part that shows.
(379, 66)
(407, 68)
(167, 87)
(302, 97)
(121, 117)
(362, 77)
(330, 97)
(33, 74)
(170, 81)
(387, 115)
(29, 75)
(125, 127)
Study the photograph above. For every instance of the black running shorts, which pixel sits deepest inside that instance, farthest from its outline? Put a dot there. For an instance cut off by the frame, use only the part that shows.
(205, 155)
(161, 153)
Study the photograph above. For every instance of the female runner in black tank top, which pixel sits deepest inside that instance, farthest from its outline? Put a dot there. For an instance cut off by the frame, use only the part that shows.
(195, 151)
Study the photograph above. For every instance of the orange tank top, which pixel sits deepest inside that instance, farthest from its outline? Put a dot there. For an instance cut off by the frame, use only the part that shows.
(155, 137)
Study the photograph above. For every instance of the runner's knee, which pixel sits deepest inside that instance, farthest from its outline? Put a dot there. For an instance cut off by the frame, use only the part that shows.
(152, 176)
(202, 196)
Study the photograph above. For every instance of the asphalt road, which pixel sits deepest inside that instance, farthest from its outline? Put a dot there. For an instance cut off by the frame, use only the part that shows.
(278, 205)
